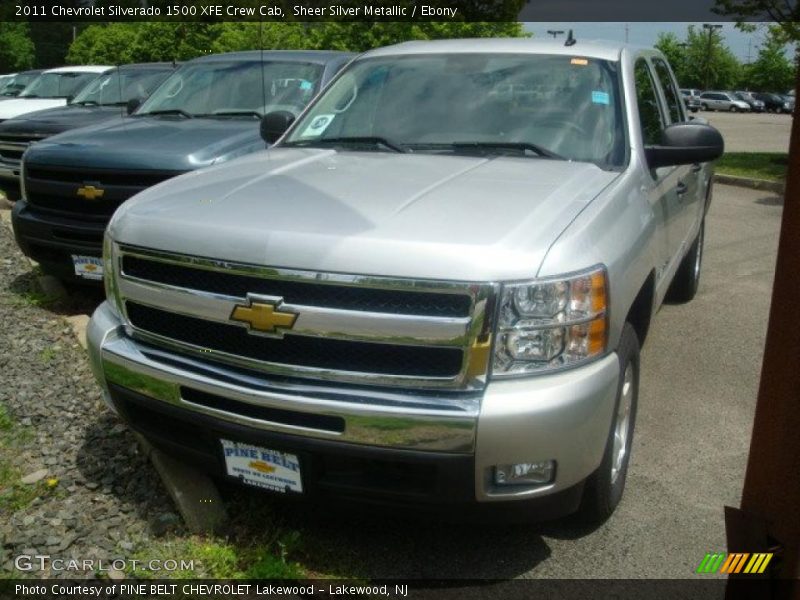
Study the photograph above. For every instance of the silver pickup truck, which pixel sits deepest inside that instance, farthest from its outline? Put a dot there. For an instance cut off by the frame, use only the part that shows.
(431, 291)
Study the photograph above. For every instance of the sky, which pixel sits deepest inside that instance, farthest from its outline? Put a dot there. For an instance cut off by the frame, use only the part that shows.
(646, 34)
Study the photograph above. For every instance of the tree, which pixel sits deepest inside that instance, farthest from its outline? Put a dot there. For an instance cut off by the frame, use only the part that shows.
(772, 71)
(16, 47)
(709, 62)
(120, 43)
(675, 51)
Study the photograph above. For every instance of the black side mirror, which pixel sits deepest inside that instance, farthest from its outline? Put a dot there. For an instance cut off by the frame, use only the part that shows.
(70, 99)
(684, 144)
(275, 124)
(132, 105)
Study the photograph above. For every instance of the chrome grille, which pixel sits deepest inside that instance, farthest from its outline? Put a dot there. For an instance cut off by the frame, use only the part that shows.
(354, 329)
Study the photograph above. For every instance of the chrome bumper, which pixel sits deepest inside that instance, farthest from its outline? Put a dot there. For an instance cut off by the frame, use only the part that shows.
(564, 417)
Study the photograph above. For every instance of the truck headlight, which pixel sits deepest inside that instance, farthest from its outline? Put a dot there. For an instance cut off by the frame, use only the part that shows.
(551, 323)
(109, 272)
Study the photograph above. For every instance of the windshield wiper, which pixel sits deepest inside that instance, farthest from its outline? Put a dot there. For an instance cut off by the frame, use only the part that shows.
(232, 113)
(374, 140)
(86, 103)
(167, 111)
(540, 150)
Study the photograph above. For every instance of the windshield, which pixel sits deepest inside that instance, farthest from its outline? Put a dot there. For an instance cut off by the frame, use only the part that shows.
(57, 85)
(119, 86)
(538, 105)
(230, 89)
(14, 85)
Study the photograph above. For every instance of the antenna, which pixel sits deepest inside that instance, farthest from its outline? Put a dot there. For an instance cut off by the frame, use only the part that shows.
(121, 99)
(570, 41)
(261, 65)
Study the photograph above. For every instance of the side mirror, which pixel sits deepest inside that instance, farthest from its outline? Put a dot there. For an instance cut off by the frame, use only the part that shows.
(70, 99)
(132, 105)
(684, 144)
(275, 124)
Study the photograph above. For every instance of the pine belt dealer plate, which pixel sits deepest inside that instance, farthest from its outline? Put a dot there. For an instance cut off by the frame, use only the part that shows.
(262, 467)
(88, 267)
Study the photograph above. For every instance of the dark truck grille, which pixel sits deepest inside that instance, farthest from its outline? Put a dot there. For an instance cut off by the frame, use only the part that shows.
(320, 353)
(13, 146)
(343, 297)
(56, 188)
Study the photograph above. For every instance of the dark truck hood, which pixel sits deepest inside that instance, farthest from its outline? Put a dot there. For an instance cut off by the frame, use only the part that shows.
(51, 121)
(149, 143)
(404, 215)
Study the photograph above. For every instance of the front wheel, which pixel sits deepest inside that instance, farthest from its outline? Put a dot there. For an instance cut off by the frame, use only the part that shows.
(733, 109)
(603, 490)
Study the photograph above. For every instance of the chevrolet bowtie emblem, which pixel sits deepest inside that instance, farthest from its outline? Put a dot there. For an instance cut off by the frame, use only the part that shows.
(263, 316)
(90, 192)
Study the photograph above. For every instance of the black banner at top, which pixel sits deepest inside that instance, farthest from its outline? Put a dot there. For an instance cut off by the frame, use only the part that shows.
(397, 10)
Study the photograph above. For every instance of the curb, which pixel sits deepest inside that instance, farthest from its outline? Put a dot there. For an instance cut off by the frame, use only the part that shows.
(747, 182)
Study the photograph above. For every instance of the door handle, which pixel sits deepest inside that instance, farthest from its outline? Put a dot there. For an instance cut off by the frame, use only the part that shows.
(681, 188)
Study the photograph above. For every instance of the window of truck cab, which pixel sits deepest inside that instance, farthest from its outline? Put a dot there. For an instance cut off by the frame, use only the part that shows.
(237, 87)
(425, 103)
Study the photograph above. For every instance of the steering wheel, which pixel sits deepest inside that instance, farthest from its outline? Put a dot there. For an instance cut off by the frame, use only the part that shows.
(571, 126)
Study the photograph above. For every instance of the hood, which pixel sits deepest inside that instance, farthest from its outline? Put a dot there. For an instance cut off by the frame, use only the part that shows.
(370, 213)
(51, 121)
(20, 106)
(163, 143)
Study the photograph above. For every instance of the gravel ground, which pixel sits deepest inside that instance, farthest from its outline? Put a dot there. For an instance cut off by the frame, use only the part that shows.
(107, 500)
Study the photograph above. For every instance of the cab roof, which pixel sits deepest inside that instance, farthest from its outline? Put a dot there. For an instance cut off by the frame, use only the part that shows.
(603, 50)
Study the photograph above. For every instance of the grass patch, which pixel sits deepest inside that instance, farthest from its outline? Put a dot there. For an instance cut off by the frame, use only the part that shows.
(209, 557)
(14, 494)
(758, 165)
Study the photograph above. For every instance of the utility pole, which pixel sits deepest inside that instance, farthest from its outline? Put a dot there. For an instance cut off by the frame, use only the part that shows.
(627, 28)
(710, 27)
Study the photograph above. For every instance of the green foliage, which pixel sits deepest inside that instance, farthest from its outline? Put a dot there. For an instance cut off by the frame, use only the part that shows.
(675, 51)
(785, 14)
(119, 43)
(16, 47)
(771, 71)
(153, 41)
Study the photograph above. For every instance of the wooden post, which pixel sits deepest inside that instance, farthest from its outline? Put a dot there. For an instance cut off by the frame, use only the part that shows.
(770, 508)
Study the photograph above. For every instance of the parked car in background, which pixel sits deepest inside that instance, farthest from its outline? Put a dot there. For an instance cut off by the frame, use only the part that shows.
(410, 300)
(12, 87)
(103, 99)
(691, 99)
(756, 105)
(207, 112)
(774, 102)
(788, 103)
(51, 88)
(722, 101)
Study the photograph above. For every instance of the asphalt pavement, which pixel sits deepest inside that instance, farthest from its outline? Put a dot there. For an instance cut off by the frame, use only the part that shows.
(755, 132)
(700, 372)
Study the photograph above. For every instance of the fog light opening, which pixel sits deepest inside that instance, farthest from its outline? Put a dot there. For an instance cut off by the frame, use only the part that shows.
(532, 473)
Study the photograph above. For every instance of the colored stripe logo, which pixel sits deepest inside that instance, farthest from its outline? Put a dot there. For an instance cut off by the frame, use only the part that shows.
(735, 562)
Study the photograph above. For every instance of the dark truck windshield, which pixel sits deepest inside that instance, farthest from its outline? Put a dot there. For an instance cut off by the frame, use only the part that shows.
(57, 85)
(121, 85)
(231, 89)
(527, 104)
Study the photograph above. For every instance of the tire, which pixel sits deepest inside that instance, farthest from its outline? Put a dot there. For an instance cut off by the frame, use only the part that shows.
(687, 278)
(603, 490)
(704, 106)
(733, 109)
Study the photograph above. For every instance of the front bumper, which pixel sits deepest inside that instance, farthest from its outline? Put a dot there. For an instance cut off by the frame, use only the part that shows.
(51, 239)
(366, 443)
